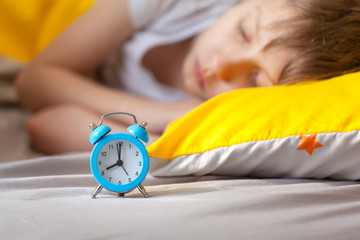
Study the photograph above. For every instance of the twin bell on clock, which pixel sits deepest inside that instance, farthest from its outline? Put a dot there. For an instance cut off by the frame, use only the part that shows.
(119, 161)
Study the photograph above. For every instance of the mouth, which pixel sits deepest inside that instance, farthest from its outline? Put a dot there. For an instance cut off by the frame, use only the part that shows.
(199, 75)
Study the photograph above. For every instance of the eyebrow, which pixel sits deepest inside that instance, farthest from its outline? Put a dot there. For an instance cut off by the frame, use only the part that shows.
(242, 31)
(273, 43)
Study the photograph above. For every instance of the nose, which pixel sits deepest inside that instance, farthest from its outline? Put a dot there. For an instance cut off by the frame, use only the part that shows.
(231, 65)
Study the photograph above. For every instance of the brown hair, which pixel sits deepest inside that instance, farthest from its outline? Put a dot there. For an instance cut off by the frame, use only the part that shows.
(326, 37)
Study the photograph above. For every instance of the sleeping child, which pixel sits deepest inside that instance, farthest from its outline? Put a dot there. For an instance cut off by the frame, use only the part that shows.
(164, 57)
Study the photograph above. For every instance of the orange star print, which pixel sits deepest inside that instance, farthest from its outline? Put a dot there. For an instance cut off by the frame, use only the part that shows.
(309, 143)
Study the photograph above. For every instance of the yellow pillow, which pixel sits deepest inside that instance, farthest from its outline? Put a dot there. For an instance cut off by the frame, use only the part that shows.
(26, 27)
(310, 130)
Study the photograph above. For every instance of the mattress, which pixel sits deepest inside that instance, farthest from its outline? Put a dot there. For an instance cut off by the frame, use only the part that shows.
(49, 197)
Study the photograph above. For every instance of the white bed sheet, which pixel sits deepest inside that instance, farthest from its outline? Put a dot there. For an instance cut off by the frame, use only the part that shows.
(49, 198)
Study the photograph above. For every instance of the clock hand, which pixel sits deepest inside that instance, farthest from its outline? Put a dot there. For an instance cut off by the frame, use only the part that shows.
(120, 162)
(114, 165)
(125, 170)
(118, 147)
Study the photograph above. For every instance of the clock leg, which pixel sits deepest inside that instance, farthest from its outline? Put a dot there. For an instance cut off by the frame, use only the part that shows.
(121, 194)
(143, 191)
(97, 190)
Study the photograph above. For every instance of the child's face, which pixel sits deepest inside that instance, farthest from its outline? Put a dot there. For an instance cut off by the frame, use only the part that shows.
(236, 52)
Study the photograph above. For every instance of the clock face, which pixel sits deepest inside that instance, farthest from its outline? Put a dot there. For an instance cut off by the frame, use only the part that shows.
(120, 162)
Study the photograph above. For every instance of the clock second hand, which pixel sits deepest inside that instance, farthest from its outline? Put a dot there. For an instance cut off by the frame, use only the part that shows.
(125, 170)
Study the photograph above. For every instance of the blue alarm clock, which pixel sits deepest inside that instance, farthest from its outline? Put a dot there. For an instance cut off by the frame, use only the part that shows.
(119, 161)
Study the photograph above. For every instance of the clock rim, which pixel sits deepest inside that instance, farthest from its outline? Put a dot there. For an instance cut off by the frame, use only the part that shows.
(96, 173)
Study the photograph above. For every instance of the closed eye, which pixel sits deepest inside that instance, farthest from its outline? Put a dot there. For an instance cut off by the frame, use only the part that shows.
(242, 32)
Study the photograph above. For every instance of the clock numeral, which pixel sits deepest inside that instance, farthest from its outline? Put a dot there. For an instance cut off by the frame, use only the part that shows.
(109, 179)
(102, 173)
(119, 183)
(140, 163)
(121, 143)
(111, 146)
(137, 153)
(129, 146)
(103, 154)
(129, 180)
(137, 173)
(99, 162)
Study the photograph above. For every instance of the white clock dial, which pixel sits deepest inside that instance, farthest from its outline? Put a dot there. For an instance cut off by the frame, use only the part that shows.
(120, 162)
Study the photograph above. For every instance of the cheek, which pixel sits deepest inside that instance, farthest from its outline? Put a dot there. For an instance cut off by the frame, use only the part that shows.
(217, 88)
(188, 71)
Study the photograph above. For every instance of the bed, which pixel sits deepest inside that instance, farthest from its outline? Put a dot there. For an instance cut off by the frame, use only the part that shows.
(44, 197)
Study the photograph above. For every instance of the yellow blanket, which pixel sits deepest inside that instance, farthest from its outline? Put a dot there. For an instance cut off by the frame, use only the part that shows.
(26, 27)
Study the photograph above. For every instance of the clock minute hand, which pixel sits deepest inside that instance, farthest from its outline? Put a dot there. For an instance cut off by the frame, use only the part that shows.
(120, 162)
(118, 147)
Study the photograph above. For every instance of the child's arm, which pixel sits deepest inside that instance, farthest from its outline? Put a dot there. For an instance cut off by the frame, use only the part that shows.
(58, 75)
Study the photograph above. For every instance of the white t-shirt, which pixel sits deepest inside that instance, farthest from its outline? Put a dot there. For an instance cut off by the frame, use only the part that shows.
(160, 22)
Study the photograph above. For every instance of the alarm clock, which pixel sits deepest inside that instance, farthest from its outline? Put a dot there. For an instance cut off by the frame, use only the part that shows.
(119, 161)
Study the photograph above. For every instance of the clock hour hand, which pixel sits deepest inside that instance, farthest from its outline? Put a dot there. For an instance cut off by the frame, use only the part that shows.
(118, 163)
(114, 165)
